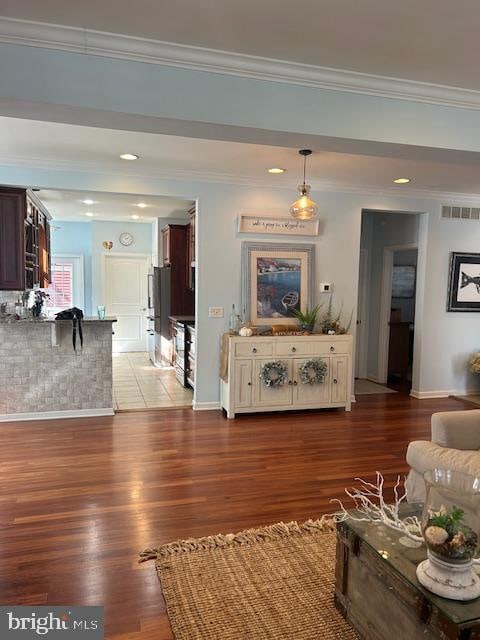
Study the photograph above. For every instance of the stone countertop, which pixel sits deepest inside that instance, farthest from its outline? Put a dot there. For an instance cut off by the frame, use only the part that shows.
(182, 318)
(15, 320)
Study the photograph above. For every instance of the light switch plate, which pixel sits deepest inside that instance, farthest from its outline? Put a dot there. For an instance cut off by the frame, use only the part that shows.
(215, 312)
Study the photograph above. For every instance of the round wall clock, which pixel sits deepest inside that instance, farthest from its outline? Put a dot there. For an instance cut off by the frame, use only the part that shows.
(126, 239)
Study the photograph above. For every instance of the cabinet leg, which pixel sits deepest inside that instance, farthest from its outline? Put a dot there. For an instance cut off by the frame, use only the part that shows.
(230, 415)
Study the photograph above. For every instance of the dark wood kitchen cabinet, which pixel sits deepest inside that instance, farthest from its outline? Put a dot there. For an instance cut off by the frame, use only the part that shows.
(191, 249)
(24, 240)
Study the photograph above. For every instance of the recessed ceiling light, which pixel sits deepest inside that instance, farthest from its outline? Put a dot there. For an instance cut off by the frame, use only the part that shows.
(135, 217)
(88, 201)
(142, 205)
(276, 170)
(402, 180)
(129, 156)
(89, 214)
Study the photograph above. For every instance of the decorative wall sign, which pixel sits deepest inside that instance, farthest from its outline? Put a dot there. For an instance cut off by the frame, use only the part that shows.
(464, 282)
(279, 226)
(277, 279)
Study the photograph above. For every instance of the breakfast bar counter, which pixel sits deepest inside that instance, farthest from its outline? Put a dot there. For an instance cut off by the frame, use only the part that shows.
(43, 377)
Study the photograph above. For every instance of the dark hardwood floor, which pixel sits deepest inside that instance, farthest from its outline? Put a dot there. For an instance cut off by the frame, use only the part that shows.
(80, 498)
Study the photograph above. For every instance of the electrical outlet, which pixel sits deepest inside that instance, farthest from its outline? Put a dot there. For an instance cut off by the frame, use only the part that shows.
(215, 312)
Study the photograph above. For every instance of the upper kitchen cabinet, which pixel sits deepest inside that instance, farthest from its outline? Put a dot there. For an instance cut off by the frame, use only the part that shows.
(24, 240)
(174, 245)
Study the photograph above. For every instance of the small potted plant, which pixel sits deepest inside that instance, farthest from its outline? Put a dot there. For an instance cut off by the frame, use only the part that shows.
(39, 298)
(307, 318)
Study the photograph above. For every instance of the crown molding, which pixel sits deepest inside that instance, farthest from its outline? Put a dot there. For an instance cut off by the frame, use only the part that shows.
(169, 54)
(449, 198)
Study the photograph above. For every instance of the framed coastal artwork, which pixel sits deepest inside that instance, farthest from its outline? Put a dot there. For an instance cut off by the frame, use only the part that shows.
(277, 279)
(464, 282)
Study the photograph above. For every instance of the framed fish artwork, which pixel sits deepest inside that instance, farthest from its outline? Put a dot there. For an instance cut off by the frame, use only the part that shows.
(464, 282)
(277, 280)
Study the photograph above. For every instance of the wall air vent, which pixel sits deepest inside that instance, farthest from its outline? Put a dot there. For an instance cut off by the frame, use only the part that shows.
(461, 213)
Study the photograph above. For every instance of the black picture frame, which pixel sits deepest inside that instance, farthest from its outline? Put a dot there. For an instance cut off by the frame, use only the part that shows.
(464, 272)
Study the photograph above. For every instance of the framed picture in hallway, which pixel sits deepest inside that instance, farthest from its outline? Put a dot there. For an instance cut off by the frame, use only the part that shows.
(464, 282)
(277, 280)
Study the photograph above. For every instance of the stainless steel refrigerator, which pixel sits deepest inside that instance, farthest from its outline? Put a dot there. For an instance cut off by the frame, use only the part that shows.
(161, 307)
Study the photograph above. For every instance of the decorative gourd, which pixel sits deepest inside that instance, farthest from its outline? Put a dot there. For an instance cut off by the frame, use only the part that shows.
(246, 332)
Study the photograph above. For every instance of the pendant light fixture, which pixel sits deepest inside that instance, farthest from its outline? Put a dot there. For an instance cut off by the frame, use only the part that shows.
(304, 208)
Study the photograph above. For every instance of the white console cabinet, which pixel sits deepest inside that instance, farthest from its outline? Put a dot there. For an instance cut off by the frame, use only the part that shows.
(244, 392)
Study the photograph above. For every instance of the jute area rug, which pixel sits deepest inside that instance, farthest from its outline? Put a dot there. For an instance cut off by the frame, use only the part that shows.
(271, 583)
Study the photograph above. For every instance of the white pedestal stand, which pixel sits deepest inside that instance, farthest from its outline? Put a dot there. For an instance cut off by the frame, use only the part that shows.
(452, 581)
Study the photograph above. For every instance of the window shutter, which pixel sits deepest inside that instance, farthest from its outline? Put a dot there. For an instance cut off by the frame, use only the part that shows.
(61, 287)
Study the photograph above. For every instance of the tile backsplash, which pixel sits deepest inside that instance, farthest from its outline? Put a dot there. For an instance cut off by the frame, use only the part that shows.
(10, 297)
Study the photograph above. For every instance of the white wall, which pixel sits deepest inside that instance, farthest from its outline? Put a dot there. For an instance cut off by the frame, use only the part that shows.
(444, 340)
(450, 338)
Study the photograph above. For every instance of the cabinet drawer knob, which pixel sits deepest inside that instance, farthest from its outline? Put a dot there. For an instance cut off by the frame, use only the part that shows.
(335, 381)
(294, 349)
(249, 384)
(290, 382)
(332, 348)
(295, 383)
(254, 350)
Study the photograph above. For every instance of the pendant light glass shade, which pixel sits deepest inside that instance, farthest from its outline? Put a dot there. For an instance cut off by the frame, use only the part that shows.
(304, 208)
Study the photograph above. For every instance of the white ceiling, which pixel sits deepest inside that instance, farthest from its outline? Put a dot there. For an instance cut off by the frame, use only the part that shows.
(54, 145)
(433, 41)
(69, 205)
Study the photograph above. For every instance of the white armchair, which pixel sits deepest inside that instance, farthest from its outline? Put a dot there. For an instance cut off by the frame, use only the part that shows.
(455, 445)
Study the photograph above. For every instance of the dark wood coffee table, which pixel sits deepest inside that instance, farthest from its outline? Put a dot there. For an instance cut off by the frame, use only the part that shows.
(377, 591)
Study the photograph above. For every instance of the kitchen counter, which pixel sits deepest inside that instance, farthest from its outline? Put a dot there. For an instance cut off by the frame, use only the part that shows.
(42, 377)
(182, 318)
(15, 320)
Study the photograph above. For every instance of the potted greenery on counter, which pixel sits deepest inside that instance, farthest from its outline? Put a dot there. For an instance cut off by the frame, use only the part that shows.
(307, 318)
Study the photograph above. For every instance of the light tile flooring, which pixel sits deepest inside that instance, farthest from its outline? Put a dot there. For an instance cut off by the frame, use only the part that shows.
(137, 384)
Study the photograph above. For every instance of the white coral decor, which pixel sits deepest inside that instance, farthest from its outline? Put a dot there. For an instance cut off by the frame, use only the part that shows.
(370, 506)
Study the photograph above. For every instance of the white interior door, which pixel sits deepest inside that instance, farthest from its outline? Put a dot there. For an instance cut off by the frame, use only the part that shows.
(126, 298)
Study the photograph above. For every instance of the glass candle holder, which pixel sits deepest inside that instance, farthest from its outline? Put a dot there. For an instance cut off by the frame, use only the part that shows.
(451, 530)
(101, 312)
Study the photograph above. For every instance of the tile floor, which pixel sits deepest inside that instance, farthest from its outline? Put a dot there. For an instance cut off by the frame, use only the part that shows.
(137, 384)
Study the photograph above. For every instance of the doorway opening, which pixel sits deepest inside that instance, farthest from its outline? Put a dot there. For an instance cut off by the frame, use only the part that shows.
(131, 257)
(386, 302)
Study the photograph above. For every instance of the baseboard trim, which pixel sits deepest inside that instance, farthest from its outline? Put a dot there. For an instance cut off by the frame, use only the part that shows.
(56, 415)
(206, 406)
(375, 379)
(425, 395)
